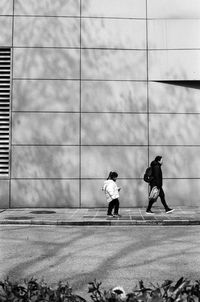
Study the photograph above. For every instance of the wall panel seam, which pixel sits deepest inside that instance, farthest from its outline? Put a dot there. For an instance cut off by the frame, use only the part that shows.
(77, 79)
(11, 101)
(75, 17)
(80, 96)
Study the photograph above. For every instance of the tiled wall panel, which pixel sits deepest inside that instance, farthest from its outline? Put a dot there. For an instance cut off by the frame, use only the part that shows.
(114, 129)
(46, 95)
(176, 9)
(174, 97)
(45, 162)
(133, 193)
(114, 8)
(45, 128)
(174, 65)
(47, 32)
(6, 31)
(4, 194)
(44, 193)
(113, 33)
(113, 96)
(182, 192)
(46, 63)
(113, 64)
(174, 129)
(47, 7)
(98, 161)
(6, 7)
(178, 161)
(175, 34)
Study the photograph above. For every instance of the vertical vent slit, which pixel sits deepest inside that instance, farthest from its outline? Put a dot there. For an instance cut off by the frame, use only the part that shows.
(5, 74)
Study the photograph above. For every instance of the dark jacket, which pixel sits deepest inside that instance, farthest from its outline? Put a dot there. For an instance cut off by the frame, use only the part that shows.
(157, 174)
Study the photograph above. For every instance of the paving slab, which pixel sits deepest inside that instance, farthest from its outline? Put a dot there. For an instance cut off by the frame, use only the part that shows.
(97, 216)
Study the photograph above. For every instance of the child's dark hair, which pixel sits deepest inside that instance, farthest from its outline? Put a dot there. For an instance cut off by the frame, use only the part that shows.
(109, 175)
(112, 175)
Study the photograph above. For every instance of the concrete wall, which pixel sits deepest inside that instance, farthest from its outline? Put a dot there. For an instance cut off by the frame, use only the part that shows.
(101, 85)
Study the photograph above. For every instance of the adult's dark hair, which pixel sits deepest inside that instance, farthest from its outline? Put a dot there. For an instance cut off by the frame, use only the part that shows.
(158, 158)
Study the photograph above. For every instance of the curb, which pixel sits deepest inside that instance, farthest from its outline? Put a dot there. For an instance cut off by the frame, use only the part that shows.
(50, 222)
(101, 222)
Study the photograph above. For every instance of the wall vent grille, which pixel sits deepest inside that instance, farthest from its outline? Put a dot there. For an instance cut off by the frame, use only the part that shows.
(5, 90)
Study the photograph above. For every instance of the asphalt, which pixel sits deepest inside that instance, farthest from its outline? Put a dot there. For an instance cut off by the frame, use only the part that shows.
(97, 216)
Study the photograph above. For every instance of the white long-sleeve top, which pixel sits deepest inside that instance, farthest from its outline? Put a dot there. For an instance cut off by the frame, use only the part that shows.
(111, 190)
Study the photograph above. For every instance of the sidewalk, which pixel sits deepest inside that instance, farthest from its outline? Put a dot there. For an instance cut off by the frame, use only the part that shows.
(97, 216)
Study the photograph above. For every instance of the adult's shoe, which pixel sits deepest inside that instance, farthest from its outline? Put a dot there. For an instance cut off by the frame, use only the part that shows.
(170, 211)
(149, 212)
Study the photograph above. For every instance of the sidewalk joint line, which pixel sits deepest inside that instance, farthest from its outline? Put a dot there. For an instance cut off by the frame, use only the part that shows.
(141, 214)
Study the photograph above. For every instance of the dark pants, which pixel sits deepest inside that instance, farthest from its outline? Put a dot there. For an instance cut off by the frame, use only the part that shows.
(162, 198)
(113, 204)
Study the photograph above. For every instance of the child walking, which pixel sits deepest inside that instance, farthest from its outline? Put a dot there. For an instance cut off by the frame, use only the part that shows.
(112, 194)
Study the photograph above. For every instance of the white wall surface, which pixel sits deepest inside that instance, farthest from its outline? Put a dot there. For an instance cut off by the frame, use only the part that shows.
(89, 97)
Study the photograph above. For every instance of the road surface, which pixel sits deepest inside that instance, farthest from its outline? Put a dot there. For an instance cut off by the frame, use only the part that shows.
(113, 255)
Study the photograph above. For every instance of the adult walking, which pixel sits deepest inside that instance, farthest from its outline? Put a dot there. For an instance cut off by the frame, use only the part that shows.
(157, 181)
